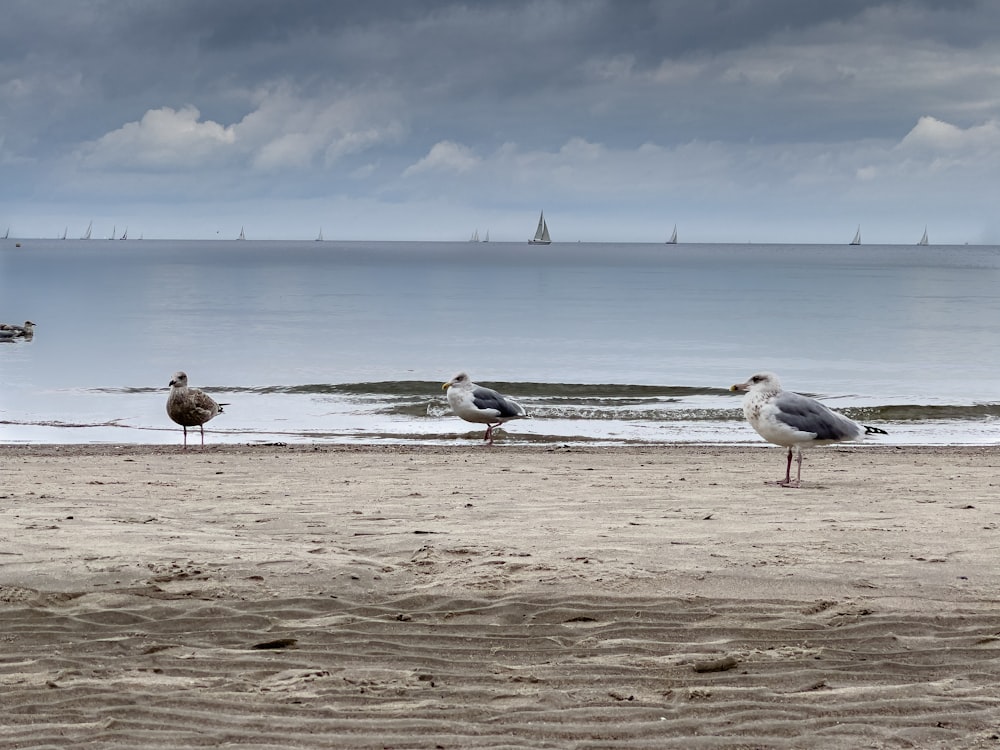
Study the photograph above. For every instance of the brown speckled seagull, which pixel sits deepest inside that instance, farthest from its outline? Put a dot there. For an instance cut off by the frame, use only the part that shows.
(190, 407)
(792, 420)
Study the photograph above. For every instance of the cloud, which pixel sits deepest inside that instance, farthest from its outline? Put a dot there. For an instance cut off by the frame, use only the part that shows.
(164, 138)
(445, 156)
(931, 134)
(288, 130)
(284, 131)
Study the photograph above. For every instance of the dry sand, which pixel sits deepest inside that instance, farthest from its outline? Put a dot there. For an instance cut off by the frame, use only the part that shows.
(467, 597)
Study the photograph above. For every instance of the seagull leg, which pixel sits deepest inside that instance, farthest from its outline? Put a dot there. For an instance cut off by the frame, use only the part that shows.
(202, 428)
(787, 481)
(788, 473)
(185, 435)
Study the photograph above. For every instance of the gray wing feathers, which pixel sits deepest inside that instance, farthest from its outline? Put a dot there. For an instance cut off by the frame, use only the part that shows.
(487, 398)
(808, 415)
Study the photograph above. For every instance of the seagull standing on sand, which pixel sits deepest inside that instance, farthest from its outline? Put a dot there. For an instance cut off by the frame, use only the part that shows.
(474, 403)
(190, 407)
(792, 420)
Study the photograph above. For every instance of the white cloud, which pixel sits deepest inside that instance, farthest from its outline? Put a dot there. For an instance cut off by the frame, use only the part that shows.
(163, 138)
(446, 156)
(931, 134)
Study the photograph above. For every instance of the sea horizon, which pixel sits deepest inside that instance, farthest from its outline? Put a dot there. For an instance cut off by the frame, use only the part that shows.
(605, 343)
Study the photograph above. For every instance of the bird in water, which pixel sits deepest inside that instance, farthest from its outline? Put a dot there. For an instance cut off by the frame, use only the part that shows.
(481, 405)
(792, 420)
(26, 331)
(190, 407)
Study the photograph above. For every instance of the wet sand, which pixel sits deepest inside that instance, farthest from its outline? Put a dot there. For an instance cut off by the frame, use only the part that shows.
(464, 597)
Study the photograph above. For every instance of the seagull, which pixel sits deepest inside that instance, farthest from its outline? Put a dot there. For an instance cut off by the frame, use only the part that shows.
(27, 330)
(474, 403)
(190, 407)
(792, 420)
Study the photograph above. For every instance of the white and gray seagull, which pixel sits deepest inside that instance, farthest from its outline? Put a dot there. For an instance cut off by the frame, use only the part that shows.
(190, 407)
(792, 420)
(476, 403)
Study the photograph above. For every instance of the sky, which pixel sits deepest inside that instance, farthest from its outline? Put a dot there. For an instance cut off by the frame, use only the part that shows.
(735, 120)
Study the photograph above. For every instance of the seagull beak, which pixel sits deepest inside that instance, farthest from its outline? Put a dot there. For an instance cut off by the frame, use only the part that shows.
(739, 388)
(446, 386)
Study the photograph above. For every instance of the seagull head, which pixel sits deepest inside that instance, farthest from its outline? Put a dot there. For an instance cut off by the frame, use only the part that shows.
(180, 380)
(762, 381)
(460, 379)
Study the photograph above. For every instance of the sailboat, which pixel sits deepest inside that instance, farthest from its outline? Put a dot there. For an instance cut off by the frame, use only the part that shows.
(923, 239)
(319, 237)
(673, 237)
(114, 230)
(7, 234)
(541, 233)
(124, 234)
(65, 230)
(474, 237)
(857, 237)
(242, 235)
(86, 235)
(487, 237)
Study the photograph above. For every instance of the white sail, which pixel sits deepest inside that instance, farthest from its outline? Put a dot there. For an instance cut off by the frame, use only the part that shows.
(114, 231)
(474, 237)
(923, 240)
(242, 234)
(319, 237)
(487, 237)
(541, 233)
(857, 237)
(673, 237)
(86, 235)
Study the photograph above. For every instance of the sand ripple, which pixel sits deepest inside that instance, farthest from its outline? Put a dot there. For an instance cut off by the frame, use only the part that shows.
(423, 671)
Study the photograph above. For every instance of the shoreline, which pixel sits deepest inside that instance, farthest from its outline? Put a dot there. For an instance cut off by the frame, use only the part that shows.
(519, 596)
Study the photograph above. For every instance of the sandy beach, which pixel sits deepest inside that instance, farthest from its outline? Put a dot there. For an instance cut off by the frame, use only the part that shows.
(467, 597)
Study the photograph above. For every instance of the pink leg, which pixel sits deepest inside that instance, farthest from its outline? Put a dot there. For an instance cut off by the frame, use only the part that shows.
(788, 474)
(787, 481)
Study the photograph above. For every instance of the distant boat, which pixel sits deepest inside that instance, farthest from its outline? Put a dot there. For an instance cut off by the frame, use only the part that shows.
(6, 235)
(242, 235)
(86, 235)
(923, 240)
(474, 237)
(487, 237)
(673, 237)
(857, 237)
(124, 234)
(319, 237)
(64, 232)
(114, 231)
(541, 233)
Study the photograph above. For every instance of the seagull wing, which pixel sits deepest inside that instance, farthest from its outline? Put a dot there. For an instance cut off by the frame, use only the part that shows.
(487, 398)
(809, 415)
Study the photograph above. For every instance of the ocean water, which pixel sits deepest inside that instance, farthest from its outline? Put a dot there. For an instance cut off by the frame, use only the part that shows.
(346, 342)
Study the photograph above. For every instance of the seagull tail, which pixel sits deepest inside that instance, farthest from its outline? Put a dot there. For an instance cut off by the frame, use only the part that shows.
(874, 430)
